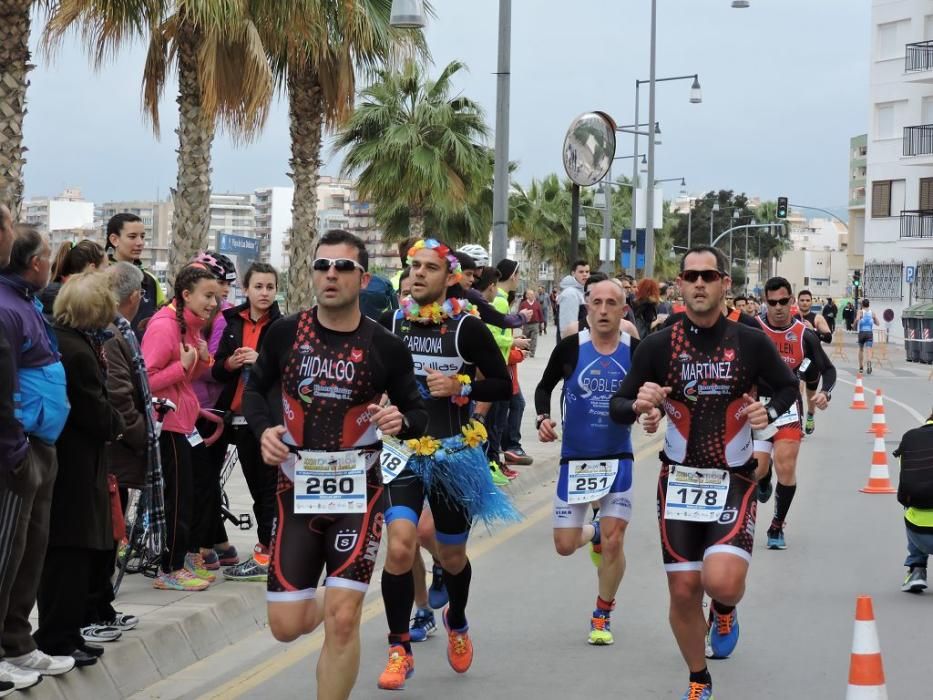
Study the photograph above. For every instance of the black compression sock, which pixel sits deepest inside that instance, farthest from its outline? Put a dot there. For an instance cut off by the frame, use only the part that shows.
(398, 595)
(766, 479)
(701, 677)
(783, 496)
(722, 609)
(458, 590)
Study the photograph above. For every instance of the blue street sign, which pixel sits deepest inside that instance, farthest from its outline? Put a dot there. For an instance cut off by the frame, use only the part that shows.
(909, 272)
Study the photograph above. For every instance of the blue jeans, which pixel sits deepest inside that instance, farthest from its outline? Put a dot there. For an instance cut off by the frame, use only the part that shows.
(512, 439)
(919, 547)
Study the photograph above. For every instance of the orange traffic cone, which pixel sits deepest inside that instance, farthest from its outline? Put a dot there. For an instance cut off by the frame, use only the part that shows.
(879, 480)
(879, 425)
(858, 401)
(866, 671)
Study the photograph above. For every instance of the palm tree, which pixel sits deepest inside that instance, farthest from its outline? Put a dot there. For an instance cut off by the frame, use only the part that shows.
(315, 48)
(540, 218)
(417, 150)
(14, 67)
(223, 77)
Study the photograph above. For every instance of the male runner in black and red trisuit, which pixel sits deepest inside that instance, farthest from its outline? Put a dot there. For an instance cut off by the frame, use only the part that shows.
(816, 323)
(801, 350)
(451, 346)
(702, 371)
(313, 399)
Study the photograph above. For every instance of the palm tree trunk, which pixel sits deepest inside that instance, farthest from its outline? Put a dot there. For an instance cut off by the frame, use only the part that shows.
(306, 124)
(416, 221)
(534, 267)
(14, 66)
(195, 135)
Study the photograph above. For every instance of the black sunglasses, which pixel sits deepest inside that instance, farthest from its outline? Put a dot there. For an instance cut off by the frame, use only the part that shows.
(783, 301)
(708, 276)
(339, 264)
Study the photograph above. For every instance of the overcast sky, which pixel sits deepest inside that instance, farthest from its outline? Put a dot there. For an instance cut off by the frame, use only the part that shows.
(785, 85)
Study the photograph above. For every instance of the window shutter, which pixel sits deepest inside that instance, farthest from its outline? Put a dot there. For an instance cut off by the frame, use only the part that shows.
(880, 199)
(926, 193)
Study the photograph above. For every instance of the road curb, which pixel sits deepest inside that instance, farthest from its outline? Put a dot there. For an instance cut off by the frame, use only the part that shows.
(166, 642)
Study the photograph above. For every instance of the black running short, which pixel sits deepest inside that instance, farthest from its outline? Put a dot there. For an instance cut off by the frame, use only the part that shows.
(685, 544)
(866, 338)
(302, 545)
(404, 499)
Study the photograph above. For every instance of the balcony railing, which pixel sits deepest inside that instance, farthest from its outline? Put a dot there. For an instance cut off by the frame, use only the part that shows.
(917, 223)
(919, 57)
(918, 140)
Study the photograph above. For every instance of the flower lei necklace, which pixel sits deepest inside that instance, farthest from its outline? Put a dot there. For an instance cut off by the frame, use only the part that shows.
(434, 312)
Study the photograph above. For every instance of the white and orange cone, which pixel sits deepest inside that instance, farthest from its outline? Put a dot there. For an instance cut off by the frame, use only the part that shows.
(866, 671)
(879, 425)
(879, 479)
(858, 400)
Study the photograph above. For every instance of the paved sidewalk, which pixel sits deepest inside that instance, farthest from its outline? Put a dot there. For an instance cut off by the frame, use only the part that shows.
(177, 630)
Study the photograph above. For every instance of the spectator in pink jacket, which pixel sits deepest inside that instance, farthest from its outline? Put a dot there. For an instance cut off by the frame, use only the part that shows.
(175, 355)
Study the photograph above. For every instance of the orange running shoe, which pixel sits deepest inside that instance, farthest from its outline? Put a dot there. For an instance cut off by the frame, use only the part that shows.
(400, 668)
(459, 647)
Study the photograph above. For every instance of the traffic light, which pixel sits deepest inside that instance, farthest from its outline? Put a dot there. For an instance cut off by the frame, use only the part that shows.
(857, 279)
(782, 208)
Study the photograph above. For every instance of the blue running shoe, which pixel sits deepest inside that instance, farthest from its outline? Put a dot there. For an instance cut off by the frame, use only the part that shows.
(776, 539)
(723, 634)
(437, 594)
(699, 691)
(423, 625)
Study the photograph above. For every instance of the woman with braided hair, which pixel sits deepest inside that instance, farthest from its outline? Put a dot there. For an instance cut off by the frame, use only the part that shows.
(176, 354)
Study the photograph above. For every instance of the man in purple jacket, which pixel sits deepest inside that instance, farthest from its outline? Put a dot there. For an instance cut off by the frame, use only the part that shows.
(29, 369)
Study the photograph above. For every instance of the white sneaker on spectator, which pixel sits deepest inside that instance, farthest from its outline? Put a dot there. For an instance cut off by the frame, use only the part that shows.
(100, 633)
(20, 678)
(40, 662)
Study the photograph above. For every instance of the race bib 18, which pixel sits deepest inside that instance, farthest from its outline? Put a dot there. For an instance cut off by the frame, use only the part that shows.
(394, 457)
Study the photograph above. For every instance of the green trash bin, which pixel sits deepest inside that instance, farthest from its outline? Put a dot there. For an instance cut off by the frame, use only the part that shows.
(924, 317)
(911, 322)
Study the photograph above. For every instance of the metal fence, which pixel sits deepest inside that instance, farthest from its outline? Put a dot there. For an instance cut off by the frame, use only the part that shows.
(918, 140)
(917, 223)
(919, 57)
(883, 281)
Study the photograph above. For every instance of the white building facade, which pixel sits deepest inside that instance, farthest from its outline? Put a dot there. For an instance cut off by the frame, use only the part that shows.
(898, 243)
(273, 207)
(63, 218)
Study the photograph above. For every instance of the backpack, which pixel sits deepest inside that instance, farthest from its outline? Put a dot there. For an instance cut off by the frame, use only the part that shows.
(378, 297)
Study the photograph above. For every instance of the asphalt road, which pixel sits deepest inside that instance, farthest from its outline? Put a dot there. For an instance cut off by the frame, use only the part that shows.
(529, 608)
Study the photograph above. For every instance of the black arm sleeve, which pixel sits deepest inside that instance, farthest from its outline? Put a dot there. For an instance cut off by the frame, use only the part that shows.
(224, 350)
(773, 371)
(266, 374)
(400, 383)
(559, 367)
(821, 367)
(489, 314)
(13, 443)
(478, 347)
(643, 370)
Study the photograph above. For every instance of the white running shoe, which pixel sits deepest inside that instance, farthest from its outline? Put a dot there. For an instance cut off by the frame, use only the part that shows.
(40, 662)
(21, 679)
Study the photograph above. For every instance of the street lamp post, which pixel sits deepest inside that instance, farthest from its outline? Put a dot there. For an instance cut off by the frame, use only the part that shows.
(500, 202)
(712, 211)
(696, 97)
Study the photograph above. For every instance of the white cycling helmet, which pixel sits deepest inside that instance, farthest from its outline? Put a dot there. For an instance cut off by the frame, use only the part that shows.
(477, 252)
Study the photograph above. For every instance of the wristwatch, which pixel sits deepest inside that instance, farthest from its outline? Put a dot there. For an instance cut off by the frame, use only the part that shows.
(481, 417)
(540, 419)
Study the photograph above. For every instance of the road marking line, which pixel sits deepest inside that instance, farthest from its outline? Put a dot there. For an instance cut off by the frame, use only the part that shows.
(888, 397)
(261, 673)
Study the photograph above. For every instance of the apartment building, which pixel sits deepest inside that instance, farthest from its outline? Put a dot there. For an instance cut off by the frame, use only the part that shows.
(65, 217)
(898, 239)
